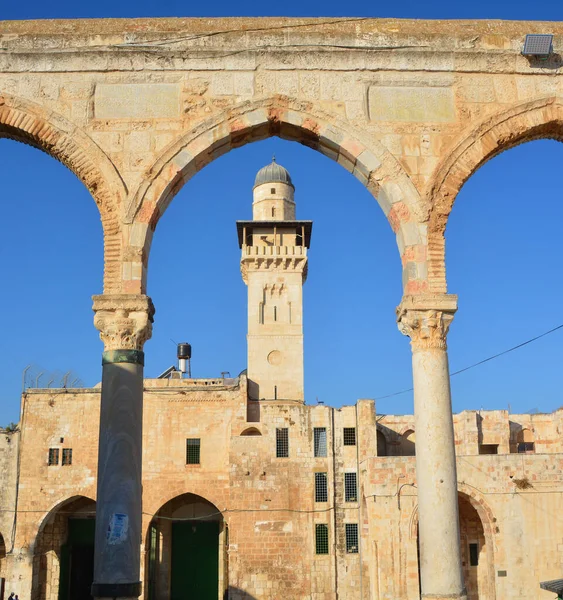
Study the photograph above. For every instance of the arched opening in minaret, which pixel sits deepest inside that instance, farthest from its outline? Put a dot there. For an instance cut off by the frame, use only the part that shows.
(352, 348)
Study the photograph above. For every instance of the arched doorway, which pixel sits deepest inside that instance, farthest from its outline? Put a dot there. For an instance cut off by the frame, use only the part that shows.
(476, 551)
(63, 559)
(186, 551)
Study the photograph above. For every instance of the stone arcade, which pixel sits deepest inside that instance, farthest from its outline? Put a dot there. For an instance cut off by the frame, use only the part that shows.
(412, 108)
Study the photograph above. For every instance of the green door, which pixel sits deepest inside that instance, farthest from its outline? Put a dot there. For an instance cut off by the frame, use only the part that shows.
(195, 560)
(77, 561)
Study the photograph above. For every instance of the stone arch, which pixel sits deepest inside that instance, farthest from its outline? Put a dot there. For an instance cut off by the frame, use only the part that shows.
(29, 123)
(250, 432)
(469, 495)
(50, 550)
(365, 158)
(185, 537)
(408, 443)
(533, 120)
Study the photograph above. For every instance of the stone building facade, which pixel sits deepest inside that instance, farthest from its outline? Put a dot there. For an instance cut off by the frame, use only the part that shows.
(412, 109)
(265, 515)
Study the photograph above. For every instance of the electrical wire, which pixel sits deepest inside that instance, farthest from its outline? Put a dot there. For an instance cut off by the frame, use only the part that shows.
(482, 361)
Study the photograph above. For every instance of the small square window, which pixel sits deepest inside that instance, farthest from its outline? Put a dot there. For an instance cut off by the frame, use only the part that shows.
(352, 538)
(349, 436)
(67, 456)
(320, 441)
(525, 447)
(321, 538)
(488, 449)
(272, 190)
(321, 487)
(473, 555)
(193, 451)
(53, 456)
(350, 487)
(282, 442)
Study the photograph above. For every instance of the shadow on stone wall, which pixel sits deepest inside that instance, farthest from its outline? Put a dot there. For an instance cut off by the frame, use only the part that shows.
(234, 593)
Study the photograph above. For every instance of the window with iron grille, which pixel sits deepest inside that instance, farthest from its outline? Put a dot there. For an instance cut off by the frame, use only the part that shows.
(321, 487)
(320, 441)
(67, 456)
(282, 442)
(53, 456)
(321, 538)
(193, 451)
(351, 538)
(350, 487)
(349, 436)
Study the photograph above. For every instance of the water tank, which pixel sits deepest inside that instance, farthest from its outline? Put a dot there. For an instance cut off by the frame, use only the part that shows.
(184, 351)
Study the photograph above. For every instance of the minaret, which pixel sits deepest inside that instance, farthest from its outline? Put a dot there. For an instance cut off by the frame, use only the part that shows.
(274, 267)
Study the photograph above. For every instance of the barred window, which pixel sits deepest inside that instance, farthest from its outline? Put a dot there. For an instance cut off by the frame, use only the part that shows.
(320, 441)
(53, 456)
(351, 538)
(350, 487)
(321, 487)
(349, 436)
(321, 538)
(67, 456)
(193, 447)
(282, 442)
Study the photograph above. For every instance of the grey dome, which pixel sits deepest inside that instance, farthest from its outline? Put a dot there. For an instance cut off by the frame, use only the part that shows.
(273, 173)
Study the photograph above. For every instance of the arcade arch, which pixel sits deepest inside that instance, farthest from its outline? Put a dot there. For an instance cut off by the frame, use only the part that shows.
(63, 552)
(186, 551)
(365, 158)
(539, 119)
(26, 122)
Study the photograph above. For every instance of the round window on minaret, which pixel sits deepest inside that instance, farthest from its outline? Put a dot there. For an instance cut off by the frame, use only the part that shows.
(275, 358)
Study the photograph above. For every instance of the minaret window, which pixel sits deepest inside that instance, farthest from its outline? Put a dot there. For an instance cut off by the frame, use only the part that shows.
(273, 212)
(275, 313)
(261, 313)
(272, 191)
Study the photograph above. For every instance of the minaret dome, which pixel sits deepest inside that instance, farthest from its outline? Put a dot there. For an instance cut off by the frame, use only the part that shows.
(273, 194)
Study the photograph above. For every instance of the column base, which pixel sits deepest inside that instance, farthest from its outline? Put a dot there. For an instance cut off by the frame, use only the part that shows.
(461, 596)
(116, 590)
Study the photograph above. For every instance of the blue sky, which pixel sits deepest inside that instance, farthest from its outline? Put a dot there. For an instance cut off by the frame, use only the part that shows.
(504, 258)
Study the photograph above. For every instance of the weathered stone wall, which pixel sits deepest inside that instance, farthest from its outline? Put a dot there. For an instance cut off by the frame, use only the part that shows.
(508, 502)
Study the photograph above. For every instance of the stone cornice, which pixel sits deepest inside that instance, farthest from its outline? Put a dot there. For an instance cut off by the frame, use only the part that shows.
(273, 263)
(426, 319)
(124, 320)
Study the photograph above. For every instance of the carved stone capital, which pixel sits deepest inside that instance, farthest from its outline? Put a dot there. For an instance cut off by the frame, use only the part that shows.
(426, 320)
(124, 320)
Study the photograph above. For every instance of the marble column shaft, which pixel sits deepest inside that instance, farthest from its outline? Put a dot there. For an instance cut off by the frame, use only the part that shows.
(125, 323)
(426, 321)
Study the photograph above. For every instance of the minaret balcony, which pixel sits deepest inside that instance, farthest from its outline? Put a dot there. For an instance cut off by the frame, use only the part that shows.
(248, 251)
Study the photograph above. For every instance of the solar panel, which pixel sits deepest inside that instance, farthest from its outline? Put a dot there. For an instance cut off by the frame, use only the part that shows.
(537, 44)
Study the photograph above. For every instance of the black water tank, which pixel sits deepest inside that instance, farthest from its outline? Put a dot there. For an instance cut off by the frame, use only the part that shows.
(184, 350)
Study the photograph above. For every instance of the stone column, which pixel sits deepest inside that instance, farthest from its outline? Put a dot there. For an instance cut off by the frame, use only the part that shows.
(426, 320)
(125, 324)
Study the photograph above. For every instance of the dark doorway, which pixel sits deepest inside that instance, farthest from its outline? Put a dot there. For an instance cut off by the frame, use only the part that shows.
(195, 560)
(77, 561)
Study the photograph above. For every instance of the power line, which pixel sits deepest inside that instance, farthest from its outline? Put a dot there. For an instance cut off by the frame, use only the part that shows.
(482, 361)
